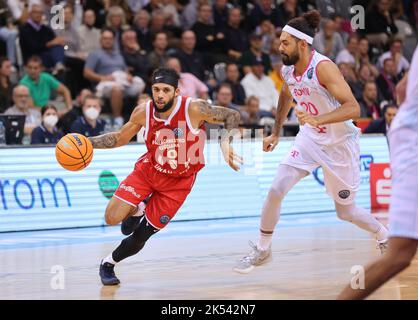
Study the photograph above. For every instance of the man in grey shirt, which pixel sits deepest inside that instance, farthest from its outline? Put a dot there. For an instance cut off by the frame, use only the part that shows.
(107, 67)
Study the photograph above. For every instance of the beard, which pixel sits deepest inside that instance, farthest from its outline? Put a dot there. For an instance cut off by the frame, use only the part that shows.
(165, 108)
(290, 60)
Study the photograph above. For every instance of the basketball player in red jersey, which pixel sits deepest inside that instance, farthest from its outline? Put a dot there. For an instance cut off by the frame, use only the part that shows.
(175, 139)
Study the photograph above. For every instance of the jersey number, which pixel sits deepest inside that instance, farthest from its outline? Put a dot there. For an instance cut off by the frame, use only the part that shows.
(310, 108)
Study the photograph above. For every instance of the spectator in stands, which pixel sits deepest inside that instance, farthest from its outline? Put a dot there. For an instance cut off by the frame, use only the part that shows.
(6, 86)
(237, 41)
(255, 52)
(369, 107)
(20, 9)
(189, 85)
(143, 32)
(366, 73)
(88, 34)
(67, 120)
(107, 67)
(339, 22)
(252, 107)
(256, 83)
(263, 10)
(191, 60)
(288, 10)
(232, 78)
(327, 41)
(395, 52)
(220, 13)
(349, 54)
(47, 132)
(100, 9)
(41, 85)
(159, 56)
(209, 41)
(383, 125)
(380, 25)
(38, 39)
(224, 97)
(116, 21)
(8, 33)
(349, 74)
(134, 57)
(387, 80)
(267, 32)
(89, 124)
(21, 107)
(276, 74)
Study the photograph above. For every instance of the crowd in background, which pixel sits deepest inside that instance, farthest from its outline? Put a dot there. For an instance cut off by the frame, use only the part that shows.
(87, 76)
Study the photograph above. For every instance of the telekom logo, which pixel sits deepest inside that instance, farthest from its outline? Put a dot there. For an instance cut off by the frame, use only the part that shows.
(294, 153)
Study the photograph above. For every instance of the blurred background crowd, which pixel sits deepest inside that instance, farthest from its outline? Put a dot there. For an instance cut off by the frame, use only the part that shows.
(87, 74)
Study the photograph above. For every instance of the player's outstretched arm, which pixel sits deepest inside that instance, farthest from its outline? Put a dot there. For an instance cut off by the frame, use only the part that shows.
(125, 134)
(201, 110)
(283, 107)
(331, 78)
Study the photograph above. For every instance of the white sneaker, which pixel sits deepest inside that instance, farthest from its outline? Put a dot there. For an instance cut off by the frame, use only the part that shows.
(255, 258)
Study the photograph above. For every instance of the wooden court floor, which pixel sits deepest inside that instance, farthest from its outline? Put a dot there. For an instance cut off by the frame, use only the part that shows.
(313, 257)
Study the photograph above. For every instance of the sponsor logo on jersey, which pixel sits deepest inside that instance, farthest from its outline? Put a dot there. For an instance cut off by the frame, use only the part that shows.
(130, 190)
(310, 73)
(344, 194)
(164, 219)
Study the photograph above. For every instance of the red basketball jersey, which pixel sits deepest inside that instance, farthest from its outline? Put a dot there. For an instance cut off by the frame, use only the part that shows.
(174, 147)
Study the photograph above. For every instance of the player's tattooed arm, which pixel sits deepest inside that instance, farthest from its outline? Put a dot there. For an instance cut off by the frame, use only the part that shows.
(125, 134)
(201, 110)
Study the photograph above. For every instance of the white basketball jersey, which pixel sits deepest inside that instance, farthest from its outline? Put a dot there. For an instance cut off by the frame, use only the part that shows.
(314, 98)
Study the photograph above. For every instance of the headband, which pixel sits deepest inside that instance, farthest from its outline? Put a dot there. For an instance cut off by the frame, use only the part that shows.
(167, 79)
(298, 34)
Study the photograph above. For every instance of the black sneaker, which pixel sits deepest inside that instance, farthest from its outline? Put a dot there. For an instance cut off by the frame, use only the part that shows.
(107, 274)
(130, 224)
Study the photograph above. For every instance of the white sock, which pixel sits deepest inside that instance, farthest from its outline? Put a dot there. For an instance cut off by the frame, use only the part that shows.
(141, 210)
(264, 241)
(109, 259)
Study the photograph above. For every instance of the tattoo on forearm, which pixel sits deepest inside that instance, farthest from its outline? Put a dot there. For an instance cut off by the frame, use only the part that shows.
(229, 117)
(104, 141)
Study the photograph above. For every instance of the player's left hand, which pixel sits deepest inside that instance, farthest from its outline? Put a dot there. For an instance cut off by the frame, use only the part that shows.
(305, 117)
(231, 158)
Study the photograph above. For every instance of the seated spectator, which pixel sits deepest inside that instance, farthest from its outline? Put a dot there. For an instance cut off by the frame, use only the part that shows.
(21, 107)
(349, 54)
(189, 85)
(8, 33)
(220, 13)
(39, 39)
(88, 35)
(255, 52)
(191, 60)
(387, 80)
(134, 57)
(256, 83)
(287, 10)
(159, 56)
(67, 120)
(369, 107)
(209, 40)
(339, 27)
(232, 78)
(366, 73)
(327, 41)
(107, 67)
(89, 124)
(276, 74)
(347, 70)
(41, 85)
(20, 9)
(143, 32)
(263, 10)
(395, 52)
(224, 97)
(380, 25)
(116, 21)
(47, 132)
(237, 41)
(383, 125)
(6, 86)
(252, 107)
(268, 34)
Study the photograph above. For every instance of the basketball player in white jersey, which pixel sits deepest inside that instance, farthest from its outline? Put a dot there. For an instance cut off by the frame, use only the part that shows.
(327, 137)
(403, 213)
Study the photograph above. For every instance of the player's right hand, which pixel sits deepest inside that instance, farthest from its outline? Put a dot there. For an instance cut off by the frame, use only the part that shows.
(270, 142)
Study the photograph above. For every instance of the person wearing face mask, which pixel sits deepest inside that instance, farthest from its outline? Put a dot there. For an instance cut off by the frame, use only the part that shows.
(47, 132)
(89, 124)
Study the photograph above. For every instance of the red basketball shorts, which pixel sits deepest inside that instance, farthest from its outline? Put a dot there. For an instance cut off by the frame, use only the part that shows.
(168, 193)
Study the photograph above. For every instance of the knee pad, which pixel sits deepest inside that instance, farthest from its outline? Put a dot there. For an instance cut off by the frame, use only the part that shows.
(144, 231)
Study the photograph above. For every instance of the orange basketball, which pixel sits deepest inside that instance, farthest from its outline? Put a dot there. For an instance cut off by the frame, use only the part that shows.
(74, 152)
